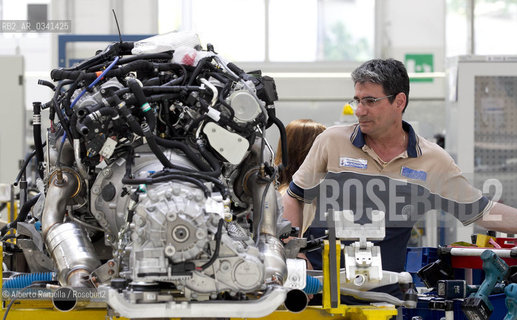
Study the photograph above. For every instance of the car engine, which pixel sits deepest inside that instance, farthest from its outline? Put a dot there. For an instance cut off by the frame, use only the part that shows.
(157, 185)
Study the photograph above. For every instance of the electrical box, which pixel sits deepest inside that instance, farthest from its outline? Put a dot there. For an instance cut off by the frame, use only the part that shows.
(12, 117)
(482, 115)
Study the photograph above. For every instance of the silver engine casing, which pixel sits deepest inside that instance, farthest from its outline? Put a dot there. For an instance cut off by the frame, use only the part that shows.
(159, 185)
(174, 223)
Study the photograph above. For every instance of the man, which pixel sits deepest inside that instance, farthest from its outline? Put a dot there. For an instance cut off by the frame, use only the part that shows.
(382, 164)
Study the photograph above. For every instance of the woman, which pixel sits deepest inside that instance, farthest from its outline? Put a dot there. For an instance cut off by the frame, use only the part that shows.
(300, 134)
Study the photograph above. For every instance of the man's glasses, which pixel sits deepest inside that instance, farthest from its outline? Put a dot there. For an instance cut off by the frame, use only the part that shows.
(366, 101)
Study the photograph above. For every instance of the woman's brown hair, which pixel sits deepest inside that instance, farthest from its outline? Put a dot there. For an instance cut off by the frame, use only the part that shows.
(300, 136)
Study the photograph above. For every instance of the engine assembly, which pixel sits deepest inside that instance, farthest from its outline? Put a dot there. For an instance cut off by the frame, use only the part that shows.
(156, 185)
(154, 190)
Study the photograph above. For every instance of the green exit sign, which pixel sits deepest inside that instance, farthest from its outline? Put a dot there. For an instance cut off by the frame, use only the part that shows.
(419, 63)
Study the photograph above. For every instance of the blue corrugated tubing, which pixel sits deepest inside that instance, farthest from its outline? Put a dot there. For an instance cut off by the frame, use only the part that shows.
(25, 280)
(313, 285)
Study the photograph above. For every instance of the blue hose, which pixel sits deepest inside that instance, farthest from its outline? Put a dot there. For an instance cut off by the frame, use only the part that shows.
(95, 81)
(25, 280)
(313, 285)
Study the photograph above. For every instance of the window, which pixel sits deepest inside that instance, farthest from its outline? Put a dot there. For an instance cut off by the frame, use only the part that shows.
(169, 15)
(293, 30)
(348, 30)
(493, 19)
(456, 35)
(475, 26)
(234, 27)
(277, 30)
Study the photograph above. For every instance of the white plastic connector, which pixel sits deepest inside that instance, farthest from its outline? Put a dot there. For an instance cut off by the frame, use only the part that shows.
(108, 148)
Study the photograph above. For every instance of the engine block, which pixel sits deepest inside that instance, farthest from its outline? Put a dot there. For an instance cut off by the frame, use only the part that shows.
(159, 183)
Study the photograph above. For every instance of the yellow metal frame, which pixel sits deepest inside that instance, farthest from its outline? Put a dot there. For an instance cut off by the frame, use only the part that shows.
(311, 313)
(15, 215)
(43, 309)
(38, 309)
(349, 312)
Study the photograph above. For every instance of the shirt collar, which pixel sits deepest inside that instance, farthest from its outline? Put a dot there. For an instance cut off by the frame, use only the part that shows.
(413, 149)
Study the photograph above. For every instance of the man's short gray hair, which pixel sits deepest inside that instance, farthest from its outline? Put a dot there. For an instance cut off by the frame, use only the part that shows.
(390, 74)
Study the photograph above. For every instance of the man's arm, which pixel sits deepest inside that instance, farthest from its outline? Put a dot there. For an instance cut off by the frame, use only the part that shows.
(293, 210)
(500, 218)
